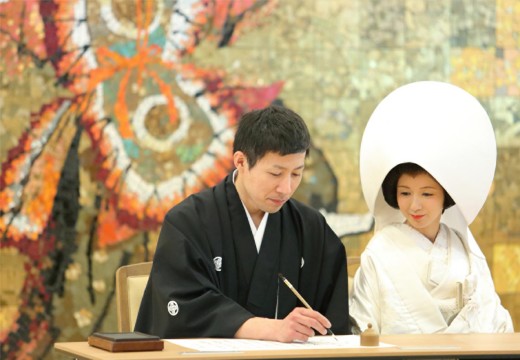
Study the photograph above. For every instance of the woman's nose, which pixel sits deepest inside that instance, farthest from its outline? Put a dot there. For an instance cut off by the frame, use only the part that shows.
(416, 202)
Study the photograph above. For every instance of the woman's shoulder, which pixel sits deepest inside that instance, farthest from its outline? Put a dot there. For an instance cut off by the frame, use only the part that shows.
(383, 237)
(468, 241)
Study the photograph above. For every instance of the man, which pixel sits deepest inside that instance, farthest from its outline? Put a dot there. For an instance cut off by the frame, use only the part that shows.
(215, 270)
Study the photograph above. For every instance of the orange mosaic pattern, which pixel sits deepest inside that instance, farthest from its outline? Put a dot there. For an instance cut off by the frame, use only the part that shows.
(124, 77)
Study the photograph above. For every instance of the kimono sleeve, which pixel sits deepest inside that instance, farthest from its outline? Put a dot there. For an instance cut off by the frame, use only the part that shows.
(334, 268)
(482, 312)
(365, 296)
(182, 297)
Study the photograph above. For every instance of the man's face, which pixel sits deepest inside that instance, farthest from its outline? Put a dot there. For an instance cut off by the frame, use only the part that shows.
(270, 182)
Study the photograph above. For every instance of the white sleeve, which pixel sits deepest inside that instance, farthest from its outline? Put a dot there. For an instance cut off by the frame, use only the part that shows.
(482, 311)
(365, 296)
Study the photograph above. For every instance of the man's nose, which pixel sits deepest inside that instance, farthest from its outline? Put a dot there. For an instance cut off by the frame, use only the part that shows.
(285, 185)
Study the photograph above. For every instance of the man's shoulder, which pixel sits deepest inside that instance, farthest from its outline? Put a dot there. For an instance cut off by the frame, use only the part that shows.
(305, 211)
(193, 203)
(307, 215)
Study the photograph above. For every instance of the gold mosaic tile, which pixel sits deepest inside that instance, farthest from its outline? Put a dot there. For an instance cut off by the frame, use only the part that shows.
(473, 69)
(11, 284)
(506, 267)
(508, 23)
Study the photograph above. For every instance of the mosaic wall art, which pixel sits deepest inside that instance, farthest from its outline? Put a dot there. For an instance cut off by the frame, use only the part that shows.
(113, 111)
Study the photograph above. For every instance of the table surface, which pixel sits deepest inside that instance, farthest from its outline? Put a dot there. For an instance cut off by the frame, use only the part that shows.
(468, 346)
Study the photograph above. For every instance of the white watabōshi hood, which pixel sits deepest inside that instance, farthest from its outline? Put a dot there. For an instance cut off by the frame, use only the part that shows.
(440, 127)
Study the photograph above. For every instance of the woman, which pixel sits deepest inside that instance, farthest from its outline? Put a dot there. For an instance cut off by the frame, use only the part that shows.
(423, 271)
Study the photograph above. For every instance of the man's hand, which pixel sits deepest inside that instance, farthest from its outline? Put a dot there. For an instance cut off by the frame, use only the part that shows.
(299, 325)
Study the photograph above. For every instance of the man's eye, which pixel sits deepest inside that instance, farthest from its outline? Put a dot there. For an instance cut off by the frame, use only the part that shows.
(275, 174)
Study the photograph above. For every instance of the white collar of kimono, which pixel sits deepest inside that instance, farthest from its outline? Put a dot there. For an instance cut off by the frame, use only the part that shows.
(258, 234)
(443, 129)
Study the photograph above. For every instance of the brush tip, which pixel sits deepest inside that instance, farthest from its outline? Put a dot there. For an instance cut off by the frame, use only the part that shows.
(281, 276)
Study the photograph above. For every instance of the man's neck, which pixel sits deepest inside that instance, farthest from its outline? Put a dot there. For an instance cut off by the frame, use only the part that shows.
(256, 215)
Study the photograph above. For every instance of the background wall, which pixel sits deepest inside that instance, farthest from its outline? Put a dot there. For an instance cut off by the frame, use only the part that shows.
(113, 111)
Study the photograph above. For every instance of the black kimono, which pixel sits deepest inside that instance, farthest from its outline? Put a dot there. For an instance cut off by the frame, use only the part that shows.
(207, 277)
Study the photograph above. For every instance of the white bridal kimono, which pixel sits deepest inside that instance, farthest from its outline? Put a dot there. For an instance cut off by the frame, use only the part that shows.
(407, 284)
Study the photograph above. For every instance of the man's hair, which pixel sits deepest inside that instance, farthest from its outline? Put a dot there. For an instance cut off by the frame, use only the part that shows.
(391, 179)
(273, 129)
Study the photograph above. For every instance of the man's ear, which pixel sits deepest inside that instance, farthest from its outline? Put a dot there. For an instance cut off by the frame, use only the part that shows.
(239, 159)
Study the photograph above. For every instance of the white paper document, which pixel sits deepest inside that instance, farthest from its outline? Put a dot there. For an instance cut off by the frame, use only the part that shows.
(233, 345)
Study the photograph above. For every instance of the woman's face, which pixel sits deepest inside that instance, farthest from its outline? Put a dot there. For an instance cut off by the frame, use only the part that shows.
(420, 199)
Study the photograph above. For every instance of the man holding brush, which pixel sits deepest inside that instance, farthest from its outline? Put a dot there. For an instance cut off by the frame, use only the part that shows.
(220, 252)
